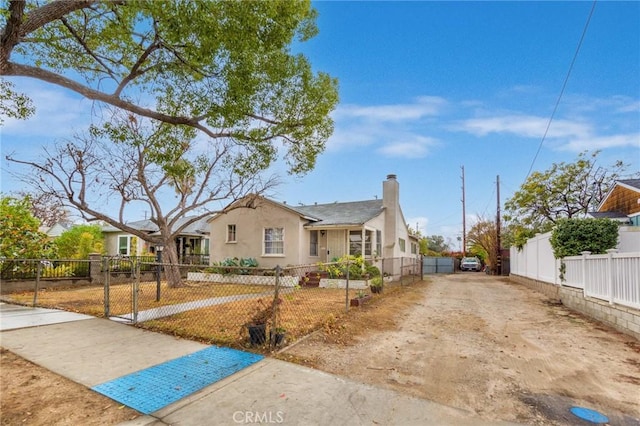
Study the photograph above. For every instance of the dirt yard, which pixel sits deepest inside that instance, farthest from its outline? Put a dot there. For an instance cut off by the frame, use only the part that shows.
(467, 340)
(31, 395)
(488, 346)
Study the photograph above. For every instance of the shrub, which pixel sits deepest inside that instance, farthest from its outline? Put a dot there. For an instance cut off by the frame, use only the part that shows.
(338, 268)
(570, 237)
(57, 271)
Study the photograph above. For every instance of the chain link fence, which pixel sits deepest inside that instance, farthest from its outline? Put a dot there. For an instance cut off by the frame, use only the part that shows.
(244, 307)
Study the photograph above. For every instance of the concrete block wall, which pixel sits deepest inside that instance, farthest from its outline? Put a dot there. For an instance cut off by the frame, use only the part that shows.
(622, 318)
(551, 291)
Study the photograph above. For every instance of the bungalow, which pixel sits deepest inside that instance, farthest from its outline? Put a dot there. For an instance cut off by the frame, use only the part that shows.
(192, 241)
(622, 203)
(280, 234)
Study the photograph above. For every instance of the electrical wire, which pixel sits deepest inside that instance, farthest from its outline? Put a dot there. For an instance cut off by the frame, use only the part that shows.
(564, 86)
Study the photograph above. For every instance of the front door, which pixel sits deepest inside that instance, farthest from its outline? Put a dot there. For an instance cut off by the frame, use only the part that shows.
(336, 244)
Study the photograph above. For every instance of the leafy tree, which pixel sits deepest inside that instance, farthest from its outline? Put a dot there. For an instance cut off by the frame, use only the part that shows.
(565, 190)
(570, 237)
(482, 239)
(80, 241)
(19, 234)
(222, 68)
(436, 244)
(218, 69)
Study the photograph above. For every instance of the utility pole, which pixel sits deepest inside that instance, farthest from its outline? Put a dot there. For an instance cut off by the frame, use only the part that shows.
(464, 219)
(498, 243)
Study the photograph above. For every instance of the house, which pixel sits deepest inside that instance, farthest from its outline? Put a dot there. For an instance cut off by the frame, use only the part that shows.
(56, 230)
(622, 203)
(281, 234)
(192, 241)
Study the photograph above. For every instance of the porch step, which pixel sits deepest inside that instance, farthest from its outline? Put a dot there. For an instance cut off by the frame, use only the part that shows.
(312, 279)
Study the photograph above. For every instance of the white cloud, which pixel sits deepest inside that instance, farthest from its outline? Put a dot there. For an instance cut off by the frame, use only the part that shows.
(414, 146)
(422, 107)
(525, 126)
(420, 222)
(58, 113)
(393, 130)
(602, 142)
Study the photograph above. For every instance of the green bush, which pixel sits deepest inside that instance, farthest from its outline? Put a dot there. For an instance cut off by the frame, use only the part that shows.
(570, 237)
(234, 265)
(57, 271)
(338, 268)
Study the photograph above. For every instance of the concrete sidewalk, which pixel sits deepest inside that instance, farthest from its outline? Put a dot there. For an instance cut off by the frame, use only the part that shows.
(91, 351)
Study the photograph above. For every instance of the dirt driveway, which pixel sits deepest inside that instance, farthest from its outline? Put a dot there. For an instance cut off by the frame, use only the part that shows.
(492, 347)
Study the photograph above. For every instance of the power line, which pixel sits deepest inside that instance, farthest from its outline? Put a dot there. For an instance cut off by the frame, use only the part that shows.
(564, 85)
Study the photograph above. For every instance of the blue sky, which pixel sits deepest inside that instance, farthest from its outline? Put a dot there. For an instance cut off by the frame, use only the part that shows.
(428, 87)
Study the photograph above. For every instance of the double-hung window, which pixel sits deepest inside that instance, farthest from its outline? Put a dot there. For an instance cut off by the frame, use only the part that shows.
(273, 241)
(231, 233)
(313, 243)
(124, 242)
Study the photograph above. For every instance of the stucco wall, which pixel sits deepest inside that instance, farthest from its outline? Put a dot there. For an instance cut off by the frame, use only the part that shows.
(250, 225)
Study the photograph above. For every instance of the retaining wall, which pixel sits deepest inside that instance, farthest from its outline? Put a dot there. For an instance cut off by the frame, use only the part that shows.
(622, 318)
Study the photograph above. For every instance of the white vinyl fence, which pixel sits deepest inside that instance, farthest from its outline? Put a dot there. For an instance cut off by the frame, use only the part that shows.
(614, 277)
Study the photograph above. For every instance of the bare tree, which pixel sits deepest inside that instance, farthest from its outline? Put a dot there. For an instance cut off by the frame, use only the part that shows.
(47, 208)
(128, 162)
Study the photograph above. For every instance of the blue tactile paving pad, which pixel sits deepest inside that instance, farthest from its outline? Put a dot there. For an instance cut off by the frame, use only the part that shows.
(156, 387)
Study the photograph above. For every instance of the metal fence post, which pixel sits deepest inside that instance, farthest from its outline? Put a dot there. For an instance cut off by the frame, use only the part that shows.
(136, 287)
(158, 274)
(346, 296)
(105, 271)
(276, 308)
(35, 290)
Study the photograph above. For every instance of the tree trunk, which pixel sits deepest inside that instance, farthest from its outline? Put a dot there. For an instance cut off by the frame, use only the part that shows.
(171, 261)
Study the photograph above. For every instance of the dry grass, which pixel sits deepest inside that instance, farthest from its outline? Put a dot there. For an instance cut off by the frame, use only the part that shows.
(90, 300)
(301, 311)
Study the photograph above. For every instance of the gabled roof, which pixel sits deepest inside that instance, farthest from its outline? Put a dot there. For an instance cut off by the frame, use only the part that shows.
(608, 215)
(627, 184)
(199, 227)
(350, 213)
(318, 215)
(630, 183)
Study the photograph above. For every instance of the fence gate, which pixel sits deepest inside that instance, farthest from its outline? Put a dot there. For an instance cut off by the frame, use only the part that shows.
(437, 265)
(121, 288)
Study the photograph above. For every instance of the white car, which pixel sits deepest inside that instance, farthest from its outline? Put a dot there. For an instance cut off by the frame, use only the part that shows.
(470, 264)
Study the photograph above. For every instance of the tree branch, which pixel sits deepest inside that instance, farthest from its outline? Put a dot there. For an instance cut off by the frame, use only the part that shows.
(19, 70)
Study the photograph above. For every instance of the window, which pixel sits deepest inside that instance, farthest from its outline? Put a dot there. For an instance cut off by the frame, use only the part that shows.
(367, 243)
(313, 243)
(231, 233)
(414, 248)
(355, 243)
(402, 243)
(274, 241)
(379, 242)
(123, 245)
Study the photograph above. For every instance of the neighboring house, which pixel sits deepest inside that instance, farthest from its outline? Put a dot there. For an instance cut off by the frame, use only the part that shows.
(193, 240)
(622, 203)
(56, 230)
(281, 234)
